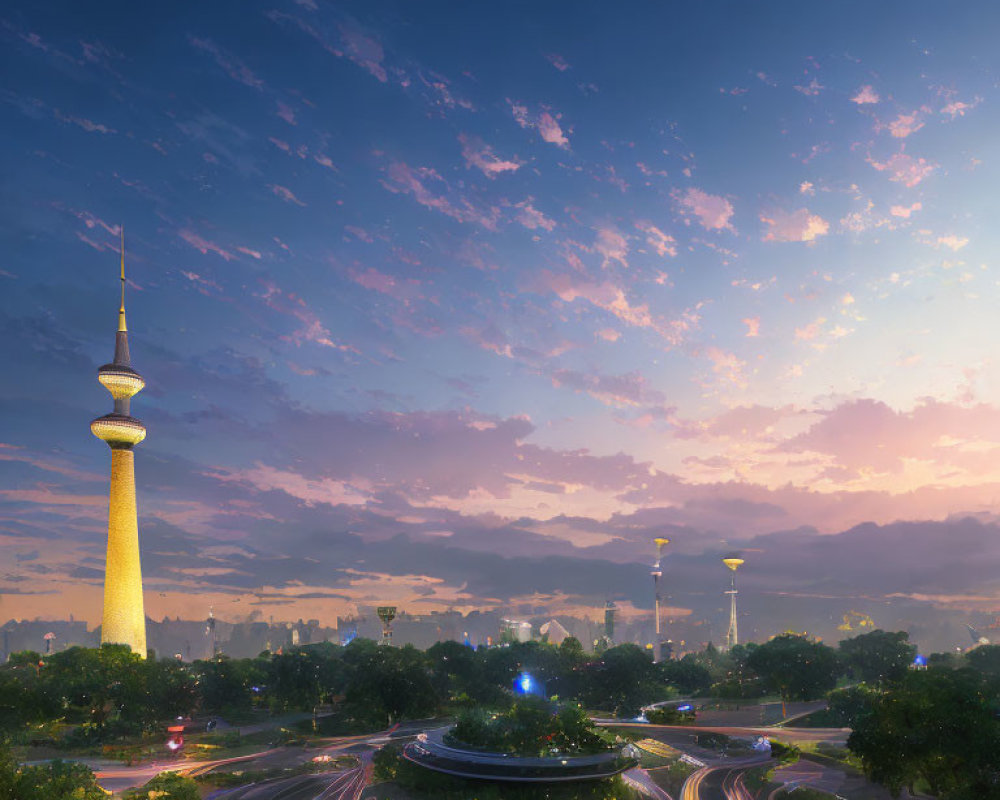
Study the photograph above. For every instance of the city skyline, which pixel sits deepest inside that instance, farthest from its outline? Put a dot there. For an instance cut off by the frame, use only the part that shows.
(465, 321)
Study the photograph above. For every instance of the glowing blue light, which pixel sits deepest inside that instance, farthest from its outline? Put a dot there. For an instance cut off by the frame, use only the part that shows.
(685, 707)
(524, 683)
(920, 661)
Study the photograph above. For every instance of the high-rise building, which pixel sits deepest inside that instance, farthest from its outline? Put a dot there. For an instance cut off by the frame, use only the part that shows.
(124, 618)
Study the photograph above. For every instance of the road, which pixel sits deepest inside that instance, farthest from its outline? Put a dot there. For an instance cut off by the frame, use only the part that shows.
(721, 781)
(346, 785)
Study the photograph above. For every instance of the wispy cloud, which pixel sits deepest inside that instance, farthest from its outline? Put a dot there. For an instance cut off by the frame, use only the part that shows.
(480, 155)
(230, 64)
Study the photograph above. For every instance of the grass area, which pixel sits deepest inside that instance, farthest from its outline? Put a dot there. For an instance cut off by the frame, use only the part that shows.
(672, 778)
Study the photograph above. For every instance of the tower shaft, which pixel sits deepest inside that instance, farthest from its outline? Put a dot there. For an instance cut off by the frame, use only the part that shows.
(124, 620)
(732, 636)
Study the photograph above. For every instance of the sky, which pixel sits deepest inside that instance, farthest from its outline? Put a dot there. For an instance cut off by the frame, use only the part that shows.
(459, 305)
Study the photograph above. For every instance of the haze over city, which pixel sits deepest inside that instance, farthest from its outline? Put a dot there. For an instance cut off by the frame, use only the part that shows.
(455, 307)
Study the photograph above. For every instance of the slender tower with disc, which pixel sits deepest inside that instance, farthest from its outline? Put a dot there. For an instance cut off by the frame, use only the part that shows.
(657, 573)
(124, 619)
(733, 562)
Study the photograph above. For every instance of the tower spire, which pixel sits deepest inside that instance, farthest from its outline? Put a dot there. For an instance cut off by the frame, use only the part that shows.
(121, 308)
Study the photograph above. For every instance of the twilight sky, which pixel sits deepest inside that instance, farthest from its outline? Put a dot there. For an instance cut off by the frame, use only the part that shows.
(459, 305)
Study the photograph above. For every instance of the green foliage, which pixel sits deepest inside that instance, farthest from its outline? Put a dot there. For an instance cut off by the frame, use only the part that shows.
(57, 780)
(985, 659)
(166, 786)
(668, 715)
(846, 706)
(532, 727)
(623, 680)
(795, 667)
(689, 675)
(878, 656)
(937, 726)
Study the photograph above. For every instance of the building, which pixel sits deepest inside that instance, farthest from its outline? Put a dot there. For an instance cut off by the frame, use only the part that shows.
(124, 618)
(515, 630)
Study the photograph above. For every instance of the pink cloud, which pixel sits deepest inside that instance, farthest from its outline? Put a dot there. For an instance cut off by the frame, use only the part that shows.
(712, 211)
(727, 366)
(403, 179)
(904, 169)
(312, 329)
(544, 122)
(609, 334)
(797, 226)
(904, 125)
(952, 241)
(359, 233)
(229, 63)
(905, 211)
(663, 243)
(813, 88)
(203, 245)
(248, 252)
(88, 125)
(405, 290)
(613, 390)
(753, 327)
(868, 434)
(285, 194)
(810, 331)
(957, 108)
(480, 155)
(605, 295)
(287, 113)
(364, 51)
(531, 218)
(557, 61)
(612, 246)
(866, 95)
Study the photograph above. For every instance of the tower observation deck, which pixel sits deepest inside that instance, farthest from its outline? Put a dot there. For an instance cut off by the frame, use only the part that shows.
(124, 618)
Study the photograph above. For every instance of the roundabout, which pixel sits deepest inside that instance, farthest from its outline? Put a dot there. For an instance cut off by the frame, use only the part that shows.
(430, 751)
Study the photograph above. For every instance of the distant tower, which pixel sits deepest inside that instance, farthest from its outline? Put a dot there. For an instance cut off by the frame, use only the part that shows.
(609, 623)
(387, 614)
(657, 573)
(732, 636)
(211, 632)
(124, 620)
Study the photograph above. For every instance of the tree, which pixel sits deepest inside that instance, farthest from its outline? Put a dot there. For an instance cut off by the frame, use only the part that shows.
(687, 674)
(939, 725)
(622, 680)
(57, 780)
(226, 684)
(795, 667)
(387, 683)
(985, 659)
(878, 656)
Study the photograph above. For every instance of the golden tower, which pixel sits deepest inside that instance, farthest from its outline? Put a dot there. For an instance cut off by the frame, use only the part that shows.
(124, 620)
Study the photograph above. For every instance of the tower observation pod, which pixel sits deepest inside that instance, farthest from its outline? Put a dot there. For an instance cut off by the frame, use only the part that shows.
(657, 573)
(387, 614)
(733, 562)
(124, 619)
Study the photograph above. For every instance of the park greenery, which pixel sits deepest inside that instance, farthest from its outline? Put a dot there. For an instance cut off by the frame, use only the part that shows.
(533, 726)
(934, 729)
(389, 765)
